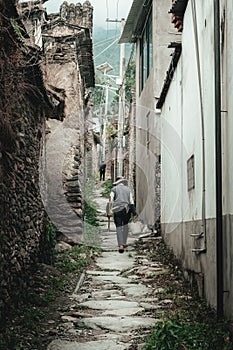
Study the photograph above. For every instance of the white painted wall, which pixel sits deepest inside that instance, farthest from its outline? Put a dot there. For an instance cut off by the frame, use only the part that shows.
(182, 113)
(181, 116)
(163, 34)
(171, 155)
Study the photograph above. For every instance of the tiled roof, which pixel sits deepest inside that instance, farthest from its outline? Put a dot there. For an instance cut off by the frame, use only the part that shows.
(178, 9)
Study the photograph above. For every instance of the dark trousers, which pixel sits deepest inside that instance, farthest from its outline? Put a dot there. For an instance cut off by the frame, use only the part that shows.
(102, 175)
(121, 220)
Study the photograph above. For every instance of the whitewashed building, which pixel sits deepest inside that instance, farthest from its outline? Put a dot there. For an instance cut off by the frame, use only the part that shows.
(149, 26)
(185, 91)
(196, 149)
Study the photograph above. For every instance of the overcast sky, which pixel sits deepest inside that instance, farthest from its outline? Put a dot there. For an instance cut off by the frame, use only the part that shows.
(102, 9)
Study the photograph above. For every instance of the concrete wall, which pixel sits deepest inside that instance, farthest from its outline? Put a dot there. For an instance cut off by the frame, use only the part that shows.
(147, 156)
(182, 210)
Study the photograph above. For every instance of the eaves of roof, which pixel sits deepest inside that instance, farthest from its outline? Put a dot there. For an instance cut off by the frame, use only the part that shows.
(170, 73)
(135, 21)
(59, 21)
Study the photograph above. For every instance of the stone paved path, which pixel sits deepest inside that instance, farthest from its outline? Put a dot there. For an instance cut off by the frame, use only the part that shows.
(111, 307)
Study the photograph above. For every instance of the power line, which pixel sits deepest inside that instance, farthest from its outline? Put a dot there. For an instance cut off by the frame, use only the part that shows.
(99, 43)
(107, 48)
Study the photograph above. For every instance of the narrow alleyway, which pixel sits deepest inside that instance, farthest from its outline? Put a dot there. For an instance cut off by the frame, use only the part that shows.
(111, 307)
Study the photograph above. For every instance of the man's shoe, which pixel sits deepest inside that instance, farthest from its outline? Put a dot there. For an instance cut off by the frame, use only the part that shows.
(121, 249)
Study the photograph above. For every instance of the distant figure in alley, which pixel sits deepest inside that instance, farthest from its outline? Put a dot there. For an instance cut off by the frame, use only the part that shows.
(121, 203)
(102, 169)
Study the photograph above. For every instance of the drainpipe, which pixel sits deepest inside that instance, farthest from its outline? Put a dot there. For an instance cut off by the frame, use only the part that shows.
(218, 158)
(201, 234)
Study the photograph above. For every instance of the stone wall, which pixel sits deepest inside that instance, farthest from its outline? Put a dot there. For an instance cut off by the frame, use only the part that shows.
(77, 14)
(23, 106)
(68, 66)
(34, 16)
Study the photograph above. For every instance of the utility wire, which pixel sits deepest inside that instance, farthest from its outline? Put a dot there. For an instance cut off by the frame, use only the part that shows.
(107, 48)
(100, 43)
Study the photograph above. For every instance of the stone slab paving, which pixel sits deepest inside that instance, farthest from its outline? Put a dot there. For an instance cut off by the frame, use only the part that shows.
(93, 345)
(111, 308)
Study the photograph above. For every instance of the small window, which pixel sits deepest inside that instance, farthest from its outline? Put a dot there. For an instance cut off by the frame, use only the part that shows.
(191, 173)
(148, 132)
(146, 52)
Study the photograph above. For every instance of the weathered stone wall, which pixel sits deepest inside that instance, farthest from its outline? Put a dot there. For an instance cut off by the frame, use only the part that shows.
(23, 105)
(68, 66)
(77, 14)
(34, 16)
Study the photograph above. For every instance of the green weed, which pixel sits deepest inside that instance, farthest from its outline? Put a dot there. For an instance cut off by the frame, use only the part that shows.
(75, 260)
(107, 185)
(91, 224)
(175, 334)
(48, 242)
(189, 323)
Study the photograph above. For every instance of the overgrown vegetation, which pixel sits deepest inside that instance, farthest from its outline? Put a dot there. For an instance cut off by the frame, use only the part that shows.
(176, 333)
(91, 224)
(188, 323)
(25, 328)
(48, 242)
(91, 213)
(107, 186)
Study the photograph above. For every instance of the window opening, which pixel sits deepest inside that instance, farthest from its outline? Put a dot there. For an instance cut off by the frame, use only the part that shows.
(146, 52)
(191, 173)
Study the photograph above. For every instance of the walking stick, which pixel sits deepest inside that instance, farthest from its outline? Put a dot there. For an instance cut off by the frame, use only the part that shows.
(108, 214)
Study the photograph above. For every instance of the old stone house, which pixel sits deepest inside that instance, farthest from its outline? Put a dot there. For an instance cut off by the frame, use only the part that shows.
(67, 64)
(24, 106)
(31, 96)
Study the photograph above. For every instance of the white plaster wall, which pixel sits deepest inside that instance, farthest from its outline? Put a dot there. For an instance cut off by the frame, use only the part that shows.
(182, 211)
(163, 34)
(171, 155)
(182, 111)
(181, 115)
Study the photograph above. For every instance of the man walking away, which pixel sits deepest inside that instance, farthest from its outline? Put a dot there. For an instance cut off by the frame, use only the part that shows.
(102, 169)
(122, 206)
